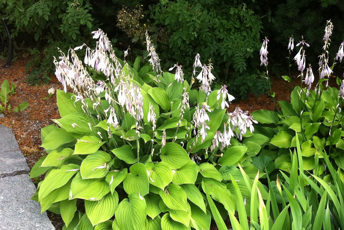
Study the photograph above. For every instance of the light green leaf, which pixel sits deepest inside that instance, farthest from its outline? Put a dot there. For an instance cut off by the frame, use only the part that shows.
(219, 192)
(174, 155)
(90, 189)
(209, 171)
(66, 104)
(307, 149)
(240, 206)
(95, 165)
(215, 119)
(233, 155)
(57, 138)
(131, 213)
(295, 100)
(125, 153)
(252, 148)
(137, 180)
(174, 197)
(147, 101)
(282, 139)
(75, 123)
(287, 109)
(57, 158)
(21, 107)
(160, 174)
(154, 224)
(37, 170)
(107, 225)
(168, 224)
(279, 223)
(56, 179)
(85, 223)
(200, 220)
(68, 209)
(295, 210)
(172, 123)
(160, 97)
(258, 139)
(216, 214)
(317, 110)
(152, 202)
(87, 145)
(194, 195)
(320, 213)
(265, 116)
(186, 174)
(54, 196)
(102, 210)
(114, 178)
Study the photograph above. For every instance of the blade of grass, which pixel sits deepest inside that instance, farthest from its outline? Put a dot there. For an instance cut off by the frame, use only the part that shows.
(299, 155)
(263, 215)
(274, 205)
(254, 201)
(320, 213)
(240, 205)
(279, 222)
(319, 190)
(327, 219)
(295, 211)
(234, 222)
(302, 199)
(293, 173)
(216, 214)
(246, 178)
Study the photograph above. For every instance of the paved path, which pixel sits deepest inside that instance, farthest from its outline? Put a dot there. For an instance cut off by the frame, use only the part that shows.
(17, 210)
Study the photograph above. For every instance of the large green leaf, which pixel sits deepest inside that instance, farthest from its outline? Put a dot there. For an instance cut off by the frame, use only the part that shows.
(174, 197)
(186, 174)
(66, 103)
(131, 213)
(102, 210)
(182, 216)
(4, 92)
(252, 148)
(137, 180)
(216, 214)
(95, 165)
(282, 139)
(90, 189)
(199, 219)
(114, 178)
(160, 174)
(209, 171)
(172, 123)
(152, 201)
(107, 225)
(54, 196)
(125, 153)
(56, 179)
(260, 139)
(87, 145)
(317, 110)
(160, 97)
(75, 123)
(85, 223)
(265, 116)
(219, 192)
(233, 155)
(215, 119)
(174, 155)
(37, 170)
(168, 224)
(307, 149)
(147, 102)
(175, 90)
(68, 209)
(287, 108)
(57, 158)
(57, 138)
(194, 195)
(154, 224)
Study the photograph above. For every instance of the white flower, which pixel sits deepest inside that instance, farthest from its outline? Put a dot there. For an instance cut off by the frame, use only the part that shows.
(291, 43)
(225, 95)
(309, 79)
(264, 52)
(205, 77)
(340, 53)
(179, 73)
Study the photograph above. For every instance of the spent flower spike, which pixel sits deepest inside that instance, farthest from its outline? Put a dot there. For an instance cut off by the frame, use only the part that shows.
(328, 33)
(154, 58)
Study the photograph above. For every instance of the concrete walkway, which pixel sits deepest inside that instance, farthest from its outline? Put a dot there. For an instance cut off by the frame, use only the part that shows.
(17, 210)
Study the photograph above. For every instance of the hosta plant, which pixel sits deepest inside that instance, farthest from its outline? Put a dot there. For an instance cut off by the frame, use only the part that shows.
(141, 149)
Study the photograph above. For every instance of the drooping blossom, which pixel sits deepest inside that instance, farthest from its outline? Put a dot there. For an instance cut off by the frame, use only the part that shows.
(309, 79)
(242, 121)
(264, 52)
(291, 44)
(179, 75)
(326, 71)
(223, 93)
(197, 63)
(151, 117)
(154, 58)
(300, 59)
(200, 118)
(302, 42)
(205, 77)
(340, 53)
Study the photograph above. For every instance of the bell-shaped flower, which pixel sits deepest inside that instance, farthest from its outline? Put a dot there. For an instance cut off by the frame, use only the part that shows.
(340, 53)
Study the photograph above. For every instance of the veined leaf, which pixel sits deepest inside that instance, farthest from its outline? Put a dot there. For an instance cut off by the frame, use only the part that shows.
(56, 158)
(168, 224)
(209, 171)
(57, 138)
(137, 180)
(66, 103)
(174, 155)
(102, 210)
(125, 153)
(68, 209)
(281, 139)
(182, 216)
(174, 197)
(265, 116)
(152, 202)
(95, 165)
(154, 224)
(233, 155)
(56, 179)
(160, 97)
(216, 214)
(160, 174)
(75, 123)
(87, 145)
(114, 178)
(186, 174)
(200, 220)
(131, 213)
(240, 206)
(90, 189)
(194, 195)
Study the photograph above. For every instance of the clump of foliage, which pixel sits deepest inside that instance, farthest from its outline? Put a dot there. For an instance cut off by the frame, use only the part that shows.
(6, 91)
(139, 148)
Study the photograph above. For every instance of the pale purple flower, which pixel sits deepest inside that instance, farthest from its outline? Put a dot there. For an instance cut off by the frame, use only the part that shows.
(242, 121)
(151, 117)
(200, 118)
(264, 52)
(205, 77)
(163, 141)
(197, 63)
(303, 43)
(340, 53)
(326, 71)
(223, 93)
(218, 138)
(300, 59)
(291, 44)
(178, 76)
(154, 58)
(328, 32)
(309, 79)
